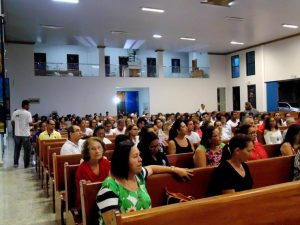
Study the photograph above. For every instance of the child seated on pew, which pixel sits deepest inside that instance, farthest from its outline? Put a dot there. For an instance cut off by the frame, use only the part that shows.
(233, 174)
(125, 189)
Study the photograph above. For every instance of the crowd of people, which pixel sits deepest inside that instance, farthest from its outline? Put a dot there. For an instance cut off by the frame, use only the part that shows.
(218, 139)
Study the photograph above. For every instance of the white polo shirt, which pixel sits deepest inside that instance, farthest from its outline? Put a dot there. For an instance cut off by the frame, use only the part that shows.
(22, 118)
(70, 148)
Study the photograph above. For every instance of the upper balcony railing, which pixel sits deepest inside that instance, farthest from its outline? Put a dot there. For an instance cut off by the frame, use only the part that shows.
(114, 70)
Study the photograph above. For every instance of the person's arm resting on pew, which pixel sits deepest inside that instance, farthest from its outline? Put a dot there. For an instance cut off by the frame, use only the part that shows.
(185, 174)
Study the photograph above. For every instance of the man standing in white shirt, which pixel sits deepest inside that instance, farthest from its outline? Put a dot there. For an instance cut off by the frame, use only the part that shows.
(71, 146)
(21, 121)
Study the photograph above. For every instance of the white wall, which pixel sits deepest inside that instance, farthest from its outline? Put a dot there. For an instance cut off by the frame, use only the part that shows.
(282, 59)
(84, 95)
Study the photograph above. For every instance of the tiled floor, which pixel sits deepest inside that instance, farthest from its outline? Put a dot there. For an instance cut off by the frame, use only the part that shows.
(22, 202)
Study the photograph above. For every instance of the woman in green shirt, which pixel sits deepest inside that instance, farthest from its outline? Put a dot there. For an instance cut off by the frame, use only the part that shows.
(125, 190)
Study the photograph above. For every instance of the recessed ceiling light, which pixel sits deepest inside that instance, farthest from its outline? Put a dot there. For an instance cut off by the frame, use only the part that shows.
(54, 27)
(188, 39)
(152, 10)
(290, 26)
(157, 36)
(236, 43)
(119, 32)
(67, 1)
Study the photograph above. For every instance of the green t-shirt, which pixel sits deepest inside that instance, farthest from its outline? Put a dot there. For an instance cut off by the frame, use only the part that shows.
(113, 195)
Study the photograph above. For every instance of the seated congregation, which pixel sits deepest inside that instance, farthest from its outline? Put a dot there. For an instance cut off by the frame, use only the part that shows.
(131, 159)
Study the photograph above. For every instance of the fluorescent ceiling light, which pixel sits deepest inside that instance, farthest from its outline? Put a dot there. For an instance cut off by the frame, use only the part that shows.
(157, 36)
(138, 44)
(152, 10)
(119, 32)
(67, 1)
(188, 39)
(54, 27)
(128, 44)
(236, 43)
(290, 26)
(231, 3)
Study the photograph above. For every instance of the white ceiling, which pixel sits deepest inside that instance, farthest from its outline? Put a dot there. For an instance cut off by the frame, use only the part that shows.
(182, 18)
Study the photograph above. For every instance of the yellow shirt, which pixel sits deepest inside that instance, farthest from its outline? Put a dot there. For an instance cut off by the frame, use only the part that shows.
(45, 136)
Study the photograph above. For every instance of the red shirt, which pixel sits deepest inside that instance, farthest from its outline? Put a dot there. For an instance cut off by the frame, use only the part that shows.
(258, 151)
(84, 172)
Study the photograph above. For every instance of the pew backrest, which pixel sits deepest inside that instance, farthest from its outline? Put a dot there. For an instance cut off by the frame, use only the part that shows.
(263, 206)
(70, 185)
(184, 160)
(58, 168)
(264, 172)
(273, 150)
(88, 193)
(271, 171)
(45, 149)
(110, 146)
(51, 151)
(42, 146)
(108, 154)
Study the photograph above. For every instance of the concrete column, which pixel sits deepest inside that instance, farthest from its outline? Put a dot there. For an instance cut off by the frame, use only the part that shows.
(160, 62)
(101, 60)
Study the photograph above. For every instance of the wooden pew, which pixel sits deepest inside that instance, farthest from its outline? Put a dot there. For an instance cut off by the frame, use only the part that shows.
(42, 146)
(184, 160)
(51, 151)
(110, 146)
(59, 180)
(276, 204)
(264, 172)
(88, 193)
(72, 215)
(45, 164)
(273, 150)
(260, 136)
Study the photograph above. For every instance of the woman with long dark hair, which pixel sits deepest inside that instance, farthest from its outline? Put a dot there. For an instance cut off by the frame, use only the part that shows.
(233, 174)
(291, 143)
(178, 143)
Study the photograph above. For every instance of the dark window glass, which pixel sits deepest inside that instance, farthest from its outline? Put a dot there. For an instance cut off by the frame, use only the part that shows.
(235, 66)
(250, 63)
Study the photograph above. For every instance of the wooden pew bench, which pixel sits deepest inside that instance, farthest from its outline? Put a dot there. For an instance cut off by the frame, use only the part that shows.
(185, 160)
(273, 150)
(276, 204)
(59, 181)
(264, 172)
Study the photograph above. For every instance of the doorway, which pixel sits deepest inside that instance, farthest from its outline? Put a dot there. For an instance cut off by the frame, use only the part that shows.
(236, 98)
(123, 63)
(221, 95)
(133, 100)
(151, 67)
